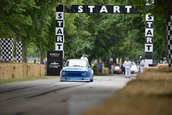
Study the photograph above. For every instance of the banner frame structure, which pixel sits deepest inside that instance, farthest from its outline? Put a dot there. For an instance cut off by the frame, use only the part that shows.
(113, 9)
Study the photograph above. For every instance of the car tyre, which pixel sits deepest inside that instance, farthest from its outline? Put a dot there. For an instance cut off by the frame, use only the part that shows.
(91, 80)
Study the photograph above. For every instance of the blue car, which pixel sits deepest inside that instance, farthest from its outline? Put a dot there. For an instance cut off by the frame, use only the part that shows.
(76, 70)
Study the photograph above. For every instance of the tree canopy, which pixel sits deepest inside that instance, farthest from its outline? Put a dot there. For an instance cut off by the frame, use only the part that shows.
(97, 35)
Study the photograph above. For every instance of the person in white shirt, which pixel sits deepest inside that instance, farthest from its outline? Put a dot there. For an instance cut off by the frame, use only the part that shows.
(45, 60)
(127, 65)
(112, 68)
(84, 57)
(165, 60)
(142, 63)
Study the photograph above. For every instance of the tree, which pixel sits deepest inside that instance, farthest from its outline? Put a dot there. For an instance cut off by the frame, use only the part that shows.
(42, 20)
(98, 35)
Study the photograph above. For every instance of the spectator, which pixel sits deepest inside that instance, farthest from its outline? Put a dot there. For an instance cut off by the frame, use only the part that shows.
(45, 60)
(127, 65)
(100, 67)
(34, 61)
(123, 69)
(112, 68)
(164, 61)
(84, 57)
(142, 63)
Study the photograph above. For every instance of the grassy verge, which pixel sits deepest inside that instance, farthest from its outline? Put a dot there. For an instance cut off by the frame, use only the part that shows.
(2, 81)
(149, 94)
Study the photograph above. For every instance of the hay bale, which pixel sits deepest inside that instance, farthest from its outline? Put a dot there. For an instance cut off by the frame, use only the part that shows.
(154, 76)
(6, 71)
(105, 71)
(164, 68)
(24, 69)
(29, 70)
(36, 70)
(162, 65)
(159, 68)
(150, 69)
(19, 70)
(43, 70)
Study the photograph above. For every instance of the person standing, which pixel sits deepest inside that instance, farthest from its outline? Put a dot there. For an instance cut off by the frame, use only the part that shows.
(100, 67)
(45, 60)
(112, 68)
(84, 57)
(142, 63)
(127, 65)
(164, 61)
(34, 61)
(123, 68)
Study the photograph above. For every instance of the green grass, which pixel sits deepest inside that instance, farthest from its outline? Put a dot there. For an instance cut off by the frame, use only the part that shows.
(3, 81)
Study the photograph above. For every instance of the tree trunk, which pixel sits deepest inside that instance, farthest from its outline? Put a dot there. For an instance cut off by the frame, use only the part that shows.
(43, 54)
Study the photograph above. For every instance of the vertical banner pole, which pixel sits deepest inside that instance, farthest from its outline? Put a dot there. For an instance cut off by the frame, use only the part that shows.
(59, 28)
(55, 58)
(169, 41)
(59, 42)
(19, 48)
(7, 46)
(149, 32)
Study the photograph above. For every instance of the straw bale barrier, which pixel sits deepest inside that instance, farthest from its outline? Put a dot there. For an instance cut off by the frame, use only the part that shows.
(159, 68)
(19, 70)
(105, 71)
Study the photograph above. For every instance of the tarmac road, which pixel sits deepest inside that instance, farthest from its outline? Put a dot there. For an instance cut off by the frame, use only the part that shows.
(52, 97)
